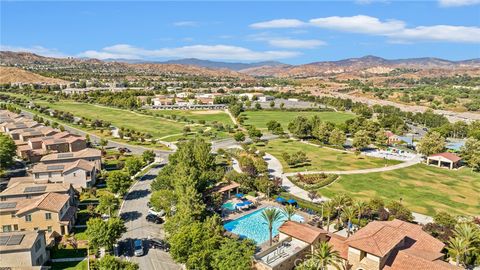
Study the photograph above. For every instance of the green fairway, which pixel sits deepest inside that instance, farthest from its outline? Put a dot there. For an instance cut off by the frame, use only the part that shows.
(260, 118)
(156, 126)
(423, 189)
(322, 159)
(197, 115)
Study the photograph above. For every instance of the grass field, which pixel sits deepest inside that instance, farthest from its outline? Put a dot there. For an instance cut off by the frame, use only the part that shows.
(83, 265)
(423, 189)
(197, 115)
(121, 118)
(322, 159)
(260, 118)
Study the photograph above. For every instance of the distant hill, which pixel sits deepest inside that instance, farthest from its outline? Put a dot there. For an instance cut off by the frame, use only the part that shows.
(228, 65)
(17, 75)
(368, 64)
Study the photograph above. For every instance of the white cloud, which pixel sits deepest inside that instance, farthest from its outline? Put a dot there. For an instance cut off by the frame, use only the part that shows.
(36, 50)
(216, 52)
(358, 24)
(186, 24)
(396, 30)
(279, 23)
(458, 3)
(296, 43)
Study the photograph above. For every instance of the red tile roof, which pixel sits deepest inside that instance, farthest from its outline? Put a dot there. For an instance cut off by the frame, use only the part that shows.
(450, 156)
(303, 232)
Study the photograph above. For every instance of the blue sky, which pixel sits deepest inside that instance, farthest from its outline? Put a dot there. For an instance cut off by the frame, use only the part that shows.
(290, 32)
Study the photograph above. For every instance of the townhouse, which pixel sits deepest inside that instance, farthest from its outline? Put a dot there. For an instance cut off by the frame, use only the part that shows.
(23, 250)
(26, 188)
(51, 212)
(87, 154)
(80, 173)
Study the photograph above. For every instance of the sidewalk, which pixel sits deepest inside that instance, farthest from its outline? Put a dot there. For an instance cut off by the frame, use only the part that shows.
(77, 259)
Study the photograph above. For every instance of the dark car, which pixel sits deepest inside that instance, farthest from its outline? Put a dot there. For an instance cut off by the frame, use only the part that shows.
(159, 243)
(153, 218)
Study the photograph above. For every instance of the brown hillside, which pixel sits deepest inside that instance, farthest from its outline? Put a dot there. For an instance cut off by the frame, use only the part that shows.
(16, 75)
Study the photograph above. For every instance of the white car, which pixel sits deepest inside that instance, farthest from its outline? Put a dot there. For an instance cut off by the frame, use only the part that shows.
(152, 211)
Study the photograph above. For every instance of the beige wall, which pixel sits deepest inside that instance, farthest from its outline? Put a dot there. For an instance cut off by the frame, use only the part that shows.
(79, 177)
(35, 256)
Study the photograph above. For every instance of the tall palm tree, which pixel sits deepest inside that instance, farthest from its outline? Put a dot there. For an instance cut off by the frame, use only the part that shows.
(340, 201)
(360, 207)
(457, 247)
(469, 233)
(289, 211)
(328, 210)
(271, 215)
(348, 214)
(324, 256)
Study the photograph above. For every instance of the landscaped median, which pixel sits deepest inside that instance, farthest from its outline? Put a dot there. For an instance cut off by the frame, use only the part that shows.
(313, 182)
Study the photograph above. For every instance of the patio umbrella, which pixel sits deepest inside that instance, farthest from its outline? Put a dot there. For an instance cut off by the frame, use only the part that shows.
(240, 204)
(292, 201)
(239, 195)
(247, 203)
(280, 200)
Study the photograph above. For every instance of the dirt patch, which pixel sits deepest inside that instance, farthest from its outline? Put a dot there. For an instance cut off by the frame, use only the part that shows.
(207, 112)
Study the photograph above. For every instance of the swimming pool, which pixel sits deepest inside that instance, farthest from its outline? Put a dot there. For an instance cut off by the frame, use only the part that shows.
(229, 206)
(252, 226)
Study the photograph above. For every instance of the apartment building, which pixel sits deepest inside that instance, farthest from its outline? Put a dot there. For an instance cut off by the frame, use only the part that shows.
(80, 173)
(51, 212)
(23, 250)
(391, 245)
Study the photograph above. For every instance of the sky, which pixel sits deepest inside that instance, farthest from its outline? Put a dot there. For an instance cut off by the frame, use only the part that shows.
(290, 32)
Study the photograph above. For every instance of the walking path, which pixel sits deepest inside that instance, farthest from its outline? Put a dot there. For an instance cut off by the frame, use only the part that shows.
(275, 169)
(77, 259)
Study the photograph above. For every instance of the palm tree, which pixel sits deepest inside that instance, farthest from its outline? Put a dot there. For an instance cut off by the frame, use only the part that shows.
(324, 256)
(348, 214)
(289, 211)
(271, 216)
(360, 207)
(328, 209)
(312, 195)
(340, 201)
(470, 234)
(458, 247)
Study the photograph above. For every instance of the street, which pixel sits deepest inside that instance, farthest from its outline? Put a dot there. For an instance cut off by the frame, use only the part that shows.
(133, 212)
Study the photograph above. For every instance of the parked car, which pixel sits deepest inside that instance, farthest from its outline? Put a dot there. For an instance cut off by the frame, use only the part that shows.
(160, 244)
(138, 247)
(152, 211)
(153, 218)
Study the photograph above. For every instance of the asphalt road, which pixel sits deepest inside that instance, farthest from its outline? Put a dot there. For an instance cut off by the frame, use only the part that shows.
(134, 211)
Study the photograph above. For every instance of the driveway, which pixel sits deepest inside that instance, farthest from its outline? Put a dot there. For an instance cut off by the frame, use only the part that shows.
(133, 211)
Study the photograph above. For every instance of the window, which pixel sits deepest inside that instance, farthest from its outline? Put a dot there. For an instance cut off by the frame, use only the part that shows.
(15, 227)
(35, 229)
(49, 228)
(12, 215)
(48, 216)
(28, 218)
(7, 228)
(74, 174)
(29, 196)
(38, 245)
(49, 175)
(37, 176)
(3, 198)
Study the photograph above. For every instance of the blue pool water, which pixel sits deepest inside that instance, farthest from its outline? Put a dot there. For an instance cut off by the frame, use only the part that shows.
(253, 226)
(229, 206)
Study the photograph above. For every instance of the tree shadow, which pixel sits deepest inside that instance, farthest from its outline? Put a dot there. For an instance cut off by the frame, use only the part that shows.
(130, 216)
(137, 194)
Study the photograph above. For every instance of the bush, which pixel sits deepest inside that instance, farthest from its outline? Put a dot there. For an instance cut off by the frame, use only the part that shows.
(313, 181)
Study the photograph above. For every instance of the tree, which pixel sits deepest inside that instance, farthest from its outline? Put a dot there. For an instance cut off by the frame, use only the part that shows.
(271, 216)
(471, 153)
(234, 255)
(7, 151)
(104, 233)
(118, 182)
(272, 104)
(107, 203)
(457, 248)
(337, 137)
(431, 143)
(163, 199)
(361, 139)
(300, 127)
(323, 256)
(239, 136)
(312, 195)
(133, 165)
(348, 213)
(148, 156)
(236, 109)
(360, 207)
(109, 262)
(254, 133)
(399, 211)
(328, 210)
(289, 211)
(380, 138)
(103, 142)
(322, 131)
(258, 106)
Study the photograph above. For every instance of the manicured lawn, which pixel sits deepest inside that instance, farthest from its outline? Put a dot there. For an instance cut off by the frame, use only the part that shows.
(322, 159)
(196, 115)
(59, 253)
(83, 265)
(260, 118)
(423, 189)
(156, 126)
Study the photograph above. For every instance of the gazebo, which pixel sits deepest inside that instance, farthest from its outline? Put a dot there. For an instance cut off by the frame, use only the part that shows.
(226, 188)
(441, 159)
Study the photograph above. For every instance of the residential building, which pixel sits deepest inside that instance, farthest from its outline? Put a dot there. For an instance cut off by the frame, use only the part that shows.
(295, 241)
(391, 245)
(8, 128)
(23, 250)
(51, 212)
(26, 188)
(80, 173)
(70, 144)
(265, 98)
(87, 154)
